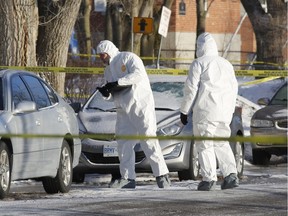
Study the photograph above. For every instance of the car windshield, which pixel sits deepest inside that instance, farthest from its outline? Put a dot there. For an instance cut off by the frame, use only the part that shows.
(99, 103)
(167, 96)
(280, 98)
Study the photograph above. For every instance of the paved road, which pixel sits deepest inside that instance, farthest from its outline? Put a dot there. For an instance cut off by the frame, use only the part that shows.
(263, 191)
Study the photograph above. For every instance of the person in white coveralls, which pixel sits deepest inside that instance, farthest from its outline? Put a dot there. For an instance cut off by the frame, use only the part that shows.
(210, 94)
(129, 87)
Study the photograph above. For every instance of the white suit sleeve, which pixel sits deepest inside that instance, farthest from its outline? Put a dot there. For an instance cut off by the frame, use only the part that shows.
(136, 71)
(191, 88)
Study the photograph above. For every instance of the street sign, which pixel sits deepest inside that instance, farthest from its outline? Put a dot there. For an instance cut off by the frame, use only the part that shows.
(164, 21)
(143, 25)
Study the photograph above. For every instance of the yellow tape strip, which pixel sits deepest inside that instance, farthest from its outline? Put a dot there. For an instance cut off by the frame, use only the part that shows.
(258, 81)
(263, 139)
(95, 70)
(179, 59)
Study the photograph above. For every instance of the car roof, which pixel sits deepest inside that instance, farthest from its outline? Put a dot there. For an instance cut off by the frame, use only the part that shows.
(11, 72)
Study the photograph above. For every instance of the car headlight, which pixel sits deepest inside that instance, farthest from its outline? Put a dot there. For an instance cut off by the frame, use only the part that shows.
(261, 123)
(171, 130)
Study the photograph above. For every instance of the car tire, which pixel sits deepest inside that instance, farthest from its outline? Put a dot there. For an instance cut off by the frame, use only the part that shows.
(63, 180)
(239, 155)
(78, 177)
(5, 169)
(261, 157)
(193, 172)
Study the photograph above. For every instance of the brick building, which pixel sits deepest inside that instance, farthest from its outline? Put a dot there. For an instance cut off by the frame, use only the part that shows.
(234, 36)
(226, 20)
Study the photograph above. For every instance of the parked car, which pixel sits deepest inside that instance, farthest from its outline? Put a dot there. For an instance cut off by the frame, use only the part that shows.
(30, 107)
(270, 120)
(98, 117)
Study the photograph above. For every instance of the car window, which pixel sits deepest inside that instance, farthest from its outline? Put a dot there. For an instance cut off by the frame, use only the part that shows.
(98, 102)
(280, 98)
(39, 94)
(19, 91)
(50, 92)
(167, 94)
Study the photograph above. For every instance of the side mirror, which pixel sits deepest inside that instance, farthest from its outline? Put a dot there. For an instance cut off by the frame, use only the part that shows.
(263, 101)
(25, 106)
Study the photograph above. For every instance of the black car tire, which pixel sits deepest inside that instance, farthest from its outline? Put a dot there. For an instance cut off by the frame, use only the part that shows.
(5, 167)
(63, 180)
(193, 173)
(261, 157)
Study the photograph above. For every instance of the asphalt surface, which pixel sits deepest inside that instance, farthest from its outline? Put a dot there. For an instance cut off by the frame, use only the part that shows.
(262, 191)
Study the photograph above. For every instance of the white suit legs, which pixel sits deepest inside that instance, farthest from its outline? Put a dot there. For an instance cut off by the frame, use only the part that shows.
(153, 153)
(126, 126)
(211, 151)
(126, 147)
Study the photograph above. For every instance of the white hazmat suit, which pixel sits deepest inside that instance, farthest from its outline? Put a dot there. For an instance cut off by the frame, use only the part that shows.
(135, 109)
(210, 93)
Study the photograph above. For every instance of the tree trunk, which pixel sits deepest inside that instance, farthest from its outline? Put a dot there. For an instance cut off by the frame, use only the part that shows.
(270, 30)
(18, 27)
(58, 19)
(143, 45)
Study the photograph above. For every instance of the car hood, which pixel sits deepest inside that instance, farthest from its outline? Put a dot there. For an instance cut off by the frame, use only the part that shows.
(104, 122)
(271, 112)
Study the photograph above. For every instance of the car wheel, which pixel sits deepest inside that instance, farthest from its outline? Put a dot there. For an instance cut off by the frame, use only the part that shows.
(5, 170)
(193, 172)
(63, 180)
(238, 151)
(78, 177)
(261, 157)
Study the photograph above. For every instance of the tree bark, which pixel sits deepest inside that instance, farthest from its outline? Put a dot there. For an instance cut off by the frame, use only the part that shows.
(18, 26)
(270, 30)
(57, 22)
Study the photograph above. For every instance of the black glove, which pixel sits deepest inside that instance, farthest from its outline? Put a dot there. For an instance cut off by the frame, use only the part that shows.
(111, 85)
(183, 118)
(104, 91)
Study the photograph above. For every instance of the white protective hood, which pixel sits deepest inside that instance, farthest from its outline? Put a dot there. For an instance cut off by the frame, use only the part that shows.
(211, 86)
(108, 47)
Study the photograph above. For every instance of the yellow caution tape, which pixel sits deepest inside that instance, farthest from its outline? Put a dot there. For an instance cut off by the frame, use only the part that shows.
(258, 81)
(250, 139)
(97, 70)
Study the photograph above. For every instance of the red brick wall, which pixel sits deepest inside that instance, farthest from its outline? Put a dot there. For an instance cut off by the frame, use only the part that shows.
(183, 23)
(223, 16)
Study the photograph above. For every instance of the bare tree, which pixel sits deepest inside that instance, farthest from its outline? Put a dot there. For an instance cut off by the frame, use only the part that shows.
(37, 33)
(19, 29)
(119, 18)
(270, 28)
(57, 19)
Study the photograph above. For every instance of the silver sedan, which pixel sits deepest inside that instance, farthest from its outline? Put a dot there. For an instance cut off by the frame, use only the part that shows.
(99, 152)
(30, 107)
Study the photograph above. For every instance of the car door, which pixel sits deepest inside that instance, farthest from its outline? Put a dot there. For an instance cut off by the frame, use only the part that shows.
(28, 151)
(52, 122)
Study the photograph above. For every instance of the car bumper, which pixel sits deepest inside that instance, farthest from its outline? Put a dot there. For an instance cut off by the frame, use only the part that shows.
(92, 159)
(262, 132)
